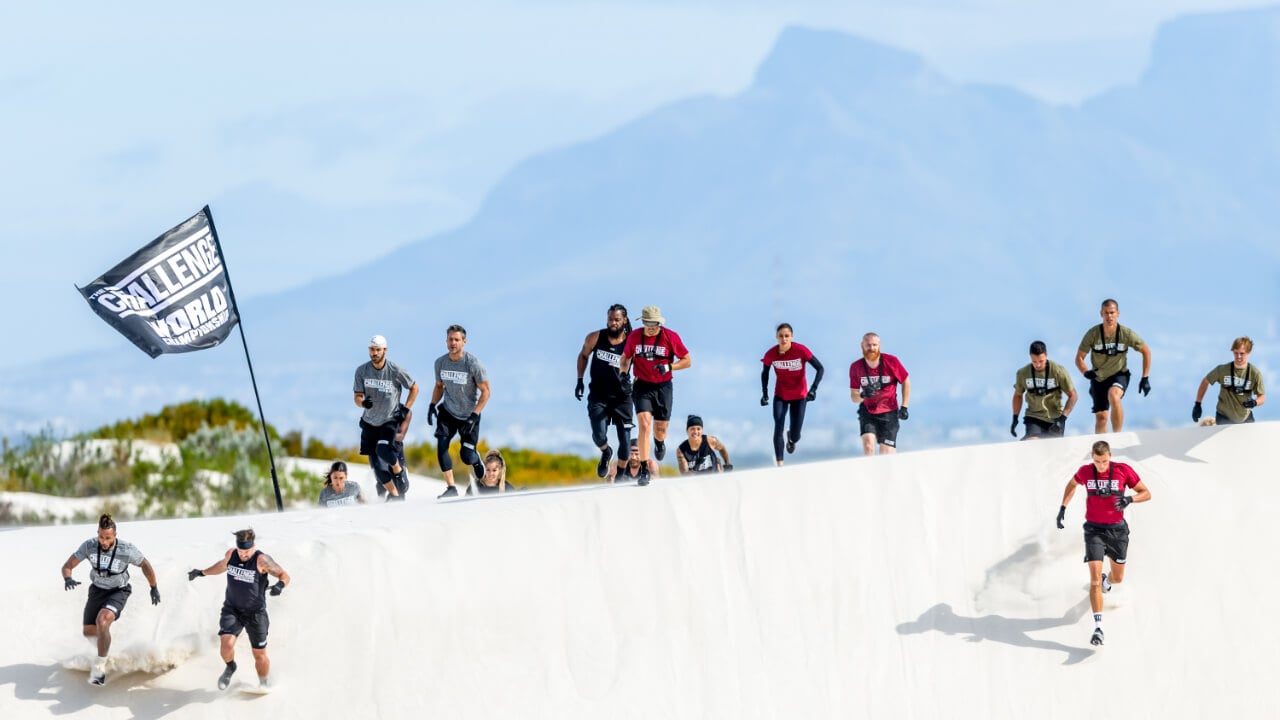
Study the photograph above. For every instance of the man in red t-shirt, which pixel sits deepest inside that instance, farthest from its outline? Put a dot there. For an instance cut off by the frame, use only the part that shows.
(1106, 534)
(656, 352)
(873, 385)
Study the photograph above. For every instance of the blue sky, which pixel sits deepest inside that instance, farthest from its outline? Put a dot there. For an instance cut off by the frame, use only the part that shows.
(325, 134)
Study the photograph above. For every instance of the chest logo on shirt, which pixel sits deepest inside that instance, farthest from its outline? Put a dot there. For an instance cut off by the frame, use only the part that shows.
(385, 386)
(1041, 383)
(1103, 486)
(651, 352)
(100, 563)
(457, 377)
(242, 574)
(608, 358)
(796, 364)
(1236, 383)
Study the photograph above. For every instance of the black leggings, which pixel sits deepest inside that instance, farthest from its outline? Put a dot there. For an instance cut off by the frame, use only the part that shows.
(782, 408)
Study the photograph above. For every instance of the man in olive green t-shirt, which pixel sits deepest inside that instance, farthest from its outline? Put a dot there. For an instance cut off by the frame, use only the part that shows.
(1108, 345)
(1044, 383)
(1242, 389)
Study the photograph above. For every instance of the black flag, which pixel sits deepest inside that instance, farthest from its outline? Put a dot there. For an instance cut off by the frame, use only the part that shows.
(173, 295)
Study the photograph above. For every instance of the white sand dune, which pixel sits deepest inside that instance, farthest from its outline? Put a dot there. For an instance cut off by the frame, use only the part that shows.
(927, 585)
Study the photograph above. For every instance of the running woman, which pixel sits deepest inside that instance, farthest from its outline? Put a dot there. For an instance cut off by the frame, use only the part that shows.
(245, 606)
(698, 454)
(609, 397)
(873, 385)
(461, 392)
(791, 391)
(1106, 534)
(109, 560)
(1241, 387)
(657, 352)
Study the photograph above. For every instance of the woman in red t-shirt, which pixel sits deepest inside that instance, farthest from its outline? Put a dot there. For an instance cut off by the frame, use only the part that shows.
(788, 359)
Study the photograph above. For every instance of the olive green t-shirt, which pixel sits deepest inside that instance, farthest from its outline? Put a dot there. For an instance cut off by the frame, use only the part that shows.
(1117, 345)
(1054, 380)
(1237, 386)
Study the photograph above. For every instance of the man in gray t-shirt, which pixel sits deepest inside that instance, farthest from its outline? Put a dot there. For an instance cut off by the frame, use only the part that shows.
(377, 388)
(460, 394)
(109, 560)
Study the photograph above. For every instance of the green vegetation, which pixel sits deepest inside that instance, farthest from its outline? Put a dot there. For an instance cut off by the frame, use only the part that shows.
(220, 464)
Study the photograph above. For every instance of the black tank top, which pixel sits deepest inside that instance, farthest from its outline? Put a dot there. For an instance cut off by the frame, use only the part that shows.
(246, 587)
(605, 380)
(704, 460)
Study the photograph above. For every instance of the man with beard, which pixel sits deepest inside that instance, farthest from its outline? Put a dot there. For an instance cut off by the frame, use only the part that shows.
(873, 385)
(657, 353)
(462, 391)
(609, 397)
(632, 469)
(1044, 383)
(378, 385)
(1108, 346)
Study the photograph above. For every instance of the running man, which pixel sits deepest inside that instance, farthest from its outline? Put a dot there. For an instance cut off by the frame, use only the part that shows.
(338, 490)
(378, 384)
(609, 397)
(245, 606)
(1106, 534)
(109, 588)
(791, 392)
(698, 454)
(1044, 383)
(1241, 387)
(1108, 346)
(873, 385)
(657, 352)
(460, 394)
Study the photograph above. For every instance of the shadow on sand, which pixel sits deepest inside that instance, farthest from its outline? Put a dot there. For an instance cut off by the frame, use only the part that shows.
(1011, 631)
(69, 692)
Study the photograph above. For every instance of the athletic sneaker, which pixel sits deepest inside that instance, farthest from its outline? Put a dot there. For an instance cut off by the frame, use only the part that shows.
(394, 498)
(1106, 584)
(643, 477)
(97, 677)
(225, 678)
(791, 446)
(264, 683)
(605, 456)
(1097, 637)
(450, 491)
(659, 450)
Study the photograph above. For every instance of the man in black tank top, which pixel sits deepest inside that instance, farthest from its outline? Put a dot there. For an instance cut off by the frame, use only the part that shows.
(609, 398)
(245, 606)
(698, 453)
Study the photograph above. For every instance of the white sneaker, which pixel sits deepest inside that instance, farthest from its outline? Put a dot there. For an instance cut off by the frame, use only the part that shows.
(1106, 584)
(98, 675)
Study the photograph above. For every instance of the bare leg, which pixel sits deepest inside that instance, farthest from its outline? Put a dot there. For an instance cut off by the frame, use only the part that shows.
(1095, 585)
(261, 662)
(869, 444)
(1117, 573)
(660, 429)
(1100, 422)
(645, 419)
(887, 449)
(1117, 409)
(105, 618)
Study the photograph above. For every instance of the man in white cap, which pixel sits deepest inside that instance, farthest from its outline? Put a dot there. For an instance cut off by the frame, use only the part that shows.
(657, 352)
(378, 385)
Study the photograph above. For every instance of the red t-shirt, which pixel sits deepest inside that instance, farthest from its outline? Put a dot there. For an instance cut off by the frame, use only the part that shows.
(792, 383)
(886, 376)
(1101, 508)
(647, 353)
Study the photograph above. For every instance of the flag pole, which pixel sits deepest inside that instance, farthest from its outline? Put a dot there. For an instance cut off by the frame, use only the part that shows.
(213, 230)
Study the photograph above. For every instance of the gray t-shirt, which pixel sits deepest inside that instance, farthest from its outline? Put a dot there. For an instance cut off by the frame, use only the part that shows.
(460, 378)
(110, 569)
(383, 387)
(350, 495)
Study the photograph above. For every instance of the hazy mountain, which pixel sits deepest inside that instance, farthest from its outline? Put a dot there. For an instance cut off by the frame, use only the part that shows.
(849, 188)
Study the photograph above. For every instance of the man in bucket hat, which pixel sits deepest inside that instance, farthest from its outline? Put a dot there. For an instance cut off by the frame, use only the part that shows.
(656, 352)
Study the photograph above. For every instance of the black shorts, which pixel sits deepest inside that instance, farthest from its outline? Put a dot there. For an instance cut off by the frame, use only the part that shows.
(1106, 541)
(1221, 419)
(616, 411)
(883, 425)
(447, 426)
(1038, 428)
(255, 621)
(653, 398)
(1099, 389)
(112, 599)
(371, 434)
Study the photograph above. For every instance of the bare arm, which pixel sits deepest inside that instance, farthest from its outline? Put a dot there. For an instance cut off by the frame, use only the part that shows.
(1072, 397)
(1260, 399)
(682, 363)
(413, 396)
(437, 392)
(219, 567)
(148, 572)
(585, 353)
(1080, 362)
(1204, 388)
(1017, 402)
(1069, 492)
(684, 464)
(69, 565)
(855, 396)
(359, 399)
(484, 397)
(719, 446)
(906, 392)
(271, 567)
(1146, 359)
(1141, 493)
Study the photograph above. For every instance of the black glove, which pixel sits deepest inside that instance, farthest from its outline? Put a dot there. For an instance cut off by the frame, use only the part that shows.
(579, 389)
(1060, 425)
(625, 383)
(812, 395)
(1062, 513)
(1196, 412)
(1144, 387)
(764, 398)
(431, 414)
(193, 574)
(662, 368)
(277, 588)
(1250, 403)
(1091, 374)
(367, 402)
(1123, 502)
(473, 420)
(727, 467)
(1013, 426)
(69, 584)
(155, 595)
(903, 414)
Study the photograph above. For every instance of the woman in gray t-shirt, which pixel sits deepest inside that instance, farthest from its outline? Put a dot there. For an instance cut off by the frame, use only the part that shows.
(338, 491)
